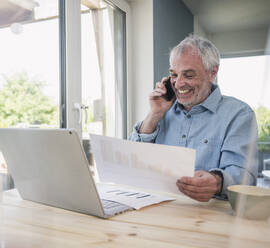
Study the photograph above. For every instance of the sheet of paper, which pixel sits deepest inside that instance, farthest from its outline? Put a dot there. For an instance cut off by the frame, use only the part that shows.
(144, 165)
(134, 198)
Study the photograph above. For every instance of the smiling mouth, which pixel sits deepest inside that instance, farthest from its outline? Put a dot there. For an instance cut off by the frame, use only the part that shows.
(184, 91)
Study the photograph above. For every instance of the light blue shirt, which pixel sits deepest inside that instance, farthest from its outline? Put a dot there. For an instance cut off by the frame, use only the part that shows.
(221, 129)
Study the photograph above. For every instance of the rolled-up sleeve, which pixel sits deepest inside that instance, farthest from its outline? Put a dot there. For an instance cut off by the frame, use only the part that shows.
(142, 137)
(239, 153)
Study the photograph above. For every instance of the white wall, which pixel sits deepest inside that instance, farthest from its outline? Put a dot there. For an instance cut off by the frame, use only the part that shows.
(237, 43)
(241, 42)
(142, 56)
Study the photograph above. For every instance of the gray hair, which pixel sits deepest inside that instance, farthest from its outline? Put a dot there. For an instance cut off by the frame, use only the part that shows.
(204, 48)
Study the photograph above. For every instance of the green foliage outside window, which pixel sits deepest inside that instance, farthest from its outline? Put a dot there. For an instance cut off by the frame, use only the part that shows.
(22, 101)
(263, 120)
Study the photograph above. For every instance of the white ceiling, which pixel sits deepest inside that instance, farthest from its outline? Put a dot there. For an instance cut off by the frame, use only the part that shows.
(14, 11)
(216, 16)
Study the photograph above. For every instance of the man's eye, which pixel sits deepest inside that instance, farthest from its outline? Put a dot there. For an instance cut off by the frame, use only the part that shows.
(173, 75)
(189, 76)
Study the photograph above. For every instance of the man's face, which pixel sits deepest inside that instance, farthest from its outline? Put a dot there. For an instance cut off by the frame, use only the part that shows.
(190, 81)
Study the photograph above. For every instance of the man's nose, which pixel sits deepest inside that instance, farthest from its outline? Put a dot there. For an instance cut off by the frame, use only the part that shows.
(179, 82)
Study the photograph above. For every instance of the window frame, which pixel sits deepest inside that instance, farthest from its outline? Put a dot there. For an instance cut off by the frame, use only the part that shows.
(70, 65)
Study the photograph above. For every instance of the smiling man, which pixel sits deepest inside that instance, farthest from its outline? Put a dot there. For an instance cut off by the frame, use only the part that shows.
(222, 129)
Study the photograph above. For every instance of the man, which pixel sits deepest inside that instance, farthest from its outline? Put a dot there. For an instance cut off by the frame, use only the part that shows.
(222, 129)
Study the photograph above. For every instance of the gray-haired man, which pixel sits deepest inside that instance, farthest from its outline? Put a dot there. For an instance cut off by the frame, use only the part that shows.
(222, 129)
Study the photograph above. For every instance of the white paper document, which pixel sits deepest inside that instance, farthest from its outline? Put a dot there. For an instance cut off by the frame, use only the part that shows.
(143, 165)
(133, 198)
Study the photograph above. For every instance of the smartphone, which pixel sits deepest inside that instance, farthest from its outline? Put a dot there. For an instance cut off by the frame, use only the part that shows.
(170, 93)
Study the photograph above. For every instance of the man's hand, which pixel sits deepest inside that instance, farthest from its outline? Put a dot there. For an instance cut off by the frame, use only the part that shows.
(201, 187)
(158, 104)
(158, 107)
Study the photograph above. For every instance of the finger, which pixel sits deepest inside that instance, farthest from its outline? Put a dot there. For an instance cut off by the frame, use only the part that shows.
(205, 197)
(198, 181)
(160, 90)
(201, 193)
(155, 95)
(195, 189)
(199, 173)
(191, 181)
(164, 79)
(159, 85)
(198, 197)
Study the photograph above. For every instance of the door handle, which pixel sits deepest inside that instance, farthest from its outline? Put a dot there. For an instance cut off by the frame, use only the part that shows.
(79, 107)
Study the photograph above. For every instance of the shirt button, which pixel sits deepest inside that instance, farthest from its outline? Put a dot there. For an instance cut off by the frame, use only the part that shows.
(188, 116)
(184, 136)
(205, 141)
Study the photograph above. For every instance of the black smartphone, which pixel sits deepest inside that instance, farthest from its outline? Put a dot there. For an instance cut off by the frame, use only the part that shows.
(170, 93)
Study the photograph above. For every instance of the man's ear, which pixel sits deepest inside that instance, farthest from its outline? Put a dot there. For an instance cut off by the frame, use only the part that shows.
(213, 73)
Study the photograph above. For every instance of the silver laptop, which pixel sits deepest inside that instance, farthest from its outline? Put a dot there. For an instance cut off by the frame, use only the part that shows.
(49, 166)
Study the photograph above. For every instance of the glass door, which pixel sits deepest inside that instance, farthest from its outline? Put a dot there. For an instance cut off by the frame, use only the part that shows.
(29, 74)
(103, 27)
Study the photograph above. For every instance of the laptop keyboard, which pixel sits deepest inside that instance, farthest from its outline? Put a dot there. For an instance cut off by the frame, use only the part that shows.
(110, 204)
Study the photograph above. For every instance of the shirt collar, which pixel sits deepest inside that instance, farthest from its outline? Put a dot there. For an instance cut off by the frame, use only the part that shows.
(178, 107)
(211, 102)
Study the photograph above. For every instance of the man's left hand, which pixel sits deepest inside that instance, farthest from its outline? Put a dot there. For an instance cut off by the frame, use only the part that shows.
(201, 187)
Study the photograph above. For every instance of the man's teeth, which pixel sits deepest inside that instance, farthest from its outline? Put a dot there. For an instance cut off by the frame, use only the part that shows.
(183, 91)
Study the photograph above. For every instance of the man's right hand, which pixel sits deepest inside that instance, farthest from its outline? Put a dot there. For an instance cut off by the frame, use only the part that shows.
(158, 104)
(158, 107)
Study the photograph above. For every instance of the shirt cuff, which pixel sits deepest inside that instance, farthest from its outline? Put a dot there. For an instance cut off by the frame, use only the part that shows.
(143, 137)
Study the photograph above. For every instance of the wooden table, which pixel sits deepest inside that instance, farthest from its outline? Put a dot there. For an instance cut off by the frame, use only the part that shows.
(180, 223)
